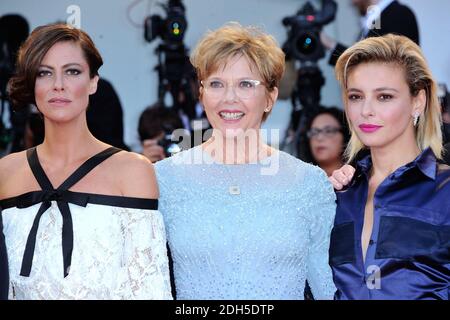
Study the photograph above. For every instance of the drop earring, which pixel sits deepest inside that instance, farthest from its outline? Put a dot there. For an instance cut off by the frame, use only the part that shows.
(416, 118)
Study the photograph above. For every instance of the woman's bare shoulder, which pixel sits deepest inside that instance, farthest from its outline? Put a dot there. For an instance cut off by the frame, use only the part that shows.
(14, 169)
(136, 175)
(12, 162)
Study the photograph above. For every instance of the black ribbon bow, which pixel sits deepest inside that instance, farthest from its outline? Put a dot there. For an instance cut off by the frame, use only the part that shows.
(62, 197)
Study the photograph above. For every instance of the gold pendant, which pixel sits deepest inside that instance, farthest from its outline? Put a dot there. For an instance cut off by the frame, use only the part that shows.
(235, 190)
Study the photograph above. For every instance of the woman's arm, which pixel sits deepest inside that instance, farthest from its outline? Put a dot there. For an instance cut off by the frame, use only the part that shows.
(145, 273)
(322, 210)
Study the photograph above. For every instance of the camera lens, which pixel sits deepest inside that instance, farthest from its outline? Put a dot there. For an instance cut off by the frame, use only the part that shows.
(306, 44)
(173, 148)
(176, 26)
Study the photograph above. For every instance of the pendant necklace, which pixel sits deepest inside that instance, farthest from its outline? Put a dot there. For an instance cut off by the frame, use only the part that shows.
(233, 188)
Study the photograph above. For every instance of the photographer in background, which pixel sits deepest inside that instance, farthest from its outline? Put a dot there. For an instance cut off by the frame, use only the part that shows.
(156, 124)
(178, 81)
(378, 17)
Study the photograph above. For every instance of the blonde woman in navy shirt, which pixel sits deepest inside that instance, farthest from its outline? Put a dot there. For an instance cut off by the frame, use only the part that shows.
(391, 236)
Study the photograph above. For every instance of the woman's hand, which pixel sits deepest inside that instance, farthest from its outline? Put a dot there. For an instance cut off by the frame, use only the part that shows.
(342, 176)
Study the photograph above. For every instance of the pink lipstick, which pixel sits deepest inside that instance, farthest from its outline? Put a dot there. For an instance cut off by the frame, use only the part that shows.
(369, 128)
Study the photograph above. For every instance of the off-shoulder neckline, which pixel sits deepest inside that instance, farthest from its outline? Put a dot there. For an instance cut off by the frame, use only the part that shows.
(92, 198)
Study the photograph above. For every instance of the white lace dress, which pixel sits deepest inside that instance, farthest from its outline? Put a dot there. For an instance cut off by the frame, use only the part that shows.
(118, 253)
(72, 245)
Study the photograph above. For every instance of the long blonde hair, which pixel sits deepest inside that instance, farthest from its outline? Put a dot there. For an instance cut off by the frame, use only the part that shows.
(406, 54)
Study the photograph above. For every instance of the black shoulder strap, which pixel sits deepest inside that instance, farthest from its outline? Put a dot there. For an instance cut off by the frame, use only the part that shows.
(87, 166)
(37, 170)
(84, 169)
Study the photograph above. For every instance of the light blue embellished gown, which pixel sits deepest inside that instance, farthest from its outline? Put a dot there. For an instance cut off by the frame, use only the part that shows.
(262, 243)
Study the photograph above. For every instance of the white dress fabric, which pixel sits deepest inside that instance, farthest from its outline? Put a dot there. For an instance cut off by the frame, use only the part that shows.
(119, 253)
(72, 245)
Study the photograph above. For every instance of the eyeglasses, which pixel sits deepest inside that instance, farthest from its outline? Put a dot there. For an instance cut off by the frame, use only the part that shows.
(327, 132)
(244, 89)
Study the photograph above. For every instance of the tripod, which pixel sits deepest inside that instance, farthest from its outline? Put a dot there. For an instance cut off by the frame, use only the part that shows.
(174, 76)
(305, 99)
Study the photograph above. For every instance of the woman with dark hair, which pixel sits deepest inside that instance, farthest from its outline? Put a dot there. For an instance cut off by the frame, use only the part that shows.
(104, 217)
(327, 136)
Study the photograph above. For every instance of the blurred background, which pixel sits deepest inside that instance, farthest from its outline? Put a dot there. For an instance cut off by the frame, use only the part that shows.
(131, 36)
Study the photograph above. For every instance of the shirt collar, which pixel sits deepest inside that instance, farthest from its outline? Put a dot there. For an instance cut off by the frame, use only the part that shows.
(425, 162)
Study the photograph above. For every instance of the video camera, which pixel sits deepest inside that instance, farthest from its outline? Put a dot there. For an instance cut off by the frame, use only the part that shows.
(172, 29)
(304, 34)
(175, 72)
(169, 146)
(303, 44)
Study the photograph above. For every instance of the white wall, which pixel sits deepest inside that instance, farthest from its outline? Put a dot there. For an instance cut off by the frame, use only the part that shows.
(129, 60)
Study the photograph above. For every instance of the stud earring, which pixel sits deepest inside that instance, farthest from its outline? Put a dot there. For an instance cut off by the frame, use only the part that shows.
(267, 109)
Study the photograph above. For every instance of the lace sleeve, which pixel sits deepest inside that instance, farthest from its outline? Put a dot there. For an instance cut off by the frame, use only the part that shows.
(145, 272)
(4, 276)
(11, 295)
(322, 211)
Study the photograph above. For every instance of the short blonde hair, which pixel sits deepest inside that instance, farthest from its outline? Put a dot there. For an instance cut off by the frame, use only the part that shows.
(217, 47)
(406, 54)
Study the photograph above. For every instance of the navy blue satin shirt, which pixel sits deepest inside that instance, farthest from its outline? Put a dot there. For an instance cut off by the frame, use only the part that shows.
(408, 256)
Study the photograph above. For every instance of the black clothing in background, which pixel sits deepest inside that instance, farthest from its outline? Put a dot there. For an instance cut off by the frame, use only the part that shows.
(446, 157)
(395, 18)
(105, 116)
